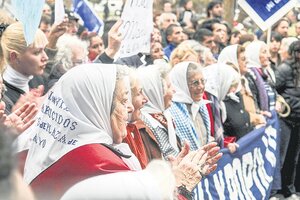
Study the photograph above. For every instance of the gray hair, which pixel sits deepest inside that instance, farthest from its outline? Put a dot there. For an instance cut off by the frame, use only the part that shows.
(65, 45)
(192, 68)
(122, 72)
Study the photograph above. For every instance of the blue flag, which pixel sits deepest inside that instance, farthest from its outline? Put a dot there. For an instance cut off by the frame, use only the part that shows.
(91, 21)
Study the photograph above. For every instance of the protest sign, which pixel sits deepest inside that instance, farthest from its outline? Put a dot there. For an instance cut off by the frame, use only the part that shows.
(266, 12)
(136, 27)
(28, 12)
(249, 173)
(59, 11)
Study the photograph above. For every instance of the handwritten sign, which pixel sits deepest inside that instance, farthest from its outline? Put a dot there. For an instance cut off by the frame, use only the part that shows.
(266, 12)
(28, 12)
(54, 124)
(136, 28)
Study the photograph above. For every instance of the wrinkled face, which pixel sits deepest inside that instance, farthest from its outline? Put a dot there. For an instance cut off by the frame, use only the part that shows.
(169, 92)
(177, 36)
(274, 46)
(157, 51)
(139, 99)
(119, 115)
(96, 47)
(33, 61)
(283, 28)
(196, 85)
(264, 56)
(242, 63)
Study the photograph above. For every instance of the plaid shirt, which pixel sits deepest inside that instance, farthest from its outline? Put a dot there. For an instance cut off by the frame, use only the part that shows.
(184, 126)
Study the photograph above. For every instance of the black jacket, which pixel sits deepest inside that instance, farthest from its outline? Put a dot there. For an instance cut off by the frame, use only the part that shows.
(11, 96)
(287, 88)
(238, 120)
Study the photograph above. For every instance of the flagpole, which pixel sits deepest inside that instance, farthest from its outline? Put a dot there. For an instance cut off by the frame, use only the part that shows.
(269, 35)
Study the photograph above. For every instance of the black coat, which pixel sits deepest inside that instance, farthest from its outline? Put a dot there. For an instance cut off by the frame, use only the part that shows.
(287, 88)
(238, 120)
(11, 96)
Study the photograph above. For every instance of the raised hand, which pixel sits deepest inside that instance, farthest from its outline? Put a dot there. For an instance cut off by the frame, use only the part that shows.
(114, 39)
(33, 96)
(23, 117)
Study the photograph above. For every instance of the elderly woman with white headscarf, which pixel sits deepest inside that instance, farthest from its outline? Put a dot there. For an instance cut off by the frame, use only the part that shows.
(261, 77)
(189, 110)
(158, 89)
(242, 114)
(222, 81)
(156, 116)
(79, 130)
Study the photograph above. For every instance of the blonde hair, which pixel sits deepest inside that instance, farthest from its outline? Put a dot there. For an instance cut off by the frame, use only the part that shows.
(13, 40)
(181, 53)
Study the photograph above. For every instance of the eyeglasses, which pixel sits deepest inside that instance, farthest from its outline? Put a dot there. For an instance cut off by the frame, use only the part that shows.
(80, 61)
(196, 83)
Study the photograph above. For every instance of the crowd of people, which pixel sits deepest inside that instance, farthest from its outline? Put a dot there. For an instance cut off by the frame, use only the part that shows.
(76, 121)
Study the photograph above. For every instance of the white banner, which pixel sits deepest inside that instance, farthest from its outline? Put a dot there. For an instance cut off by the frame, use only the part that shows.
(136, 28)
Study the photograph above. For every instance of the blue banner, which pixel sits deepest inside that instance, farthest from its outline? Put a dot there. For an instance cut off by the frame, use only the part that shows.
(249, 173)
(91, 21)
(266, 8)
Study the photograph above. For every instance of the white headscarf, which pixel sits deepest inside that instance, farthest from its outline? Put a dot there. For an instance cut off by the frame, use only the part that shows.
(229, 55)
(252, 53)
(219, 79)
(151, 80)
(76, 111)
(178, 77)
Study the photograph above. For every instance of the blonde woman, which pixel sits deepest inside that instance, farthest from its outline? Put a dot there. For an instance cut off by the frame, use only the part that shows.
(183, 53)
(19, 61)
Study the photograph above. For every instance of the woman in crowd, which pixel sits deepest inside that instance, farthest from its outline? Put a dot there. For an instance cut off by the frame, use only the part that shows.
(96, 46)
(287, 85)
(88, 130)
(158, 89)
(140, 138)
(243, 115)
(221, 78)
(260, 75)
(183, 53)
(88, 124)
(21, 62)
(189, 110)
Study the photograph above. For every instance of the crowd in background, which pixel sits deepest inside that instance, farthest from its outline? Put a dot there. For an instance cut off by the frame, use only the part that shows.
(77, 117)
